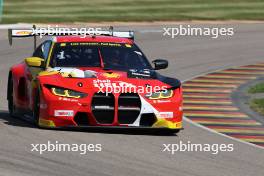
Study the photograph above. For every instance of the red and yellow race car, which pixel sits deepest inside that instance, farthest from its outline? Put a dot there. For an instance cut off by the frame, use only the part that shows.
(94, 81)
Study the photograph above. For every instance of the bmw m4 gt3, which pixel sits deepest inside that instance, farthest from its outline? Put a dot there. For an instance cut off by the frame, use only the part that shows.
(97, 81)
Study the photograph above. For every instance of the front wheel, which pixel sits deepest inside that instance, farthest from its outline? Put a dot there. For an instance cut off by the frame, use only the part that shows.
(36, 109)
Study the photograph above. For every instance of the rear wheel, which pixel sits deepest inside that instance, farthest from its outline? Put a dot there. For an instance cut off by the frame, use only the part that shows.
(10, 98)
(36, 109)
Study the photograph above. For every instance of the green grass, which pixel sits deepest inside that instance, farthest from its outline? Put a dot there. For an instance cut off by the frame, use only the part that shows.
(258, 88)
(39, 11)
(257, 105)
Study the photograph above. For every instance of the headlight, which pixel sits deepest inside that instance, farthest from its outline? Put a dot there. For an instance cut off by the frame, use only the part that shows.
(160, 95)
(67, 93)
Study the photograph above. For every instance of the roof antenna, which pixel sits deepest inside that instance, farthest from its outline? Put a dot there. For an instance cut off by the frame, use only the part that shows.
(111, 30)
(35, 37)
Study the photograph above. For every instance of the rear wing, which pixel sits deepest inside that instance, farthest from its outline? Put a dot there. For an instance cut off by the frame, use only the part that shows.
(34, 32)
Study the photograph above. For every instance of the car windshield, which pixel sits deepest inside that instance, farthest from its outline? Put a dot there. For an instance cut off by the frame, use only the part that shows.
(108, 55)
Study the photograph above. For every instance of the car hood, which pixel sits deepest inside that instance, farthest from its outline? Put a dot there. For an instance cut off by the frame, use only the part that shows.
(98, 77)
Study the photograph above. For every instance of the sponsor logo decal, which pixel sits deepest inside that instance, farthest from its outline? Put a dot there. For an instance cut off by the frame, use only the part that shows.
(108, 83)
(59, 113)
(68, 99)
(165, 115)
(23, 33)
(161, 101)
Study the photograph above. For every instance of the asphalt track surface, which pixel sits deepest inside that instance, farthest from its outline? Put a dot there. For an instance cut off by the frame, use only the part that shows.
(135, 154)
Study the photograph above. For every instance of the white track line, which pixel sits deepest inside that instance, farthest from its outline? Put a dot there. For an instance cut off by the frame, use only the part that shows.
(221, 134)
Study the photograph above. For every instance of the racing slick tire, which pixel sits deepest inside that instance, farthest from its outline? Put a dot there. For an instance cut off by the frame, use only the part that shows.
(10, 98)
(36, 108)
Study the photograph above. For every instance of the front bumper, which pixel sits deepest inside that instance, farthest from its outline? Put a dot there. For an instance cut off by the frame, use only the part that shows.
(117, 129)
(50, 104)
(160, 125)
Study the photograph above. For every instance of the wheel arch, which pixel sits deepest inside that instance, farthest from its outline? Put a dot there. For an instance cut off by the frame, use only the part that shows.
(17, 73)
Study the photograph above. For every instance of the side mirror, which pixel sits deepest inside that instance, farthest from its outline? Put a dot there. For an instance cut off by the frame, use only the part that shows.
(34, 62)
(160, 64)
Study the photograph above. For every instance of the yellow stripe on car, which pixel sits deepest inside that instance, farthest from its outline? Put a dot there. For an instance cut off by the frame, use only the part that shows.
(167, 124)
(46, 123)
